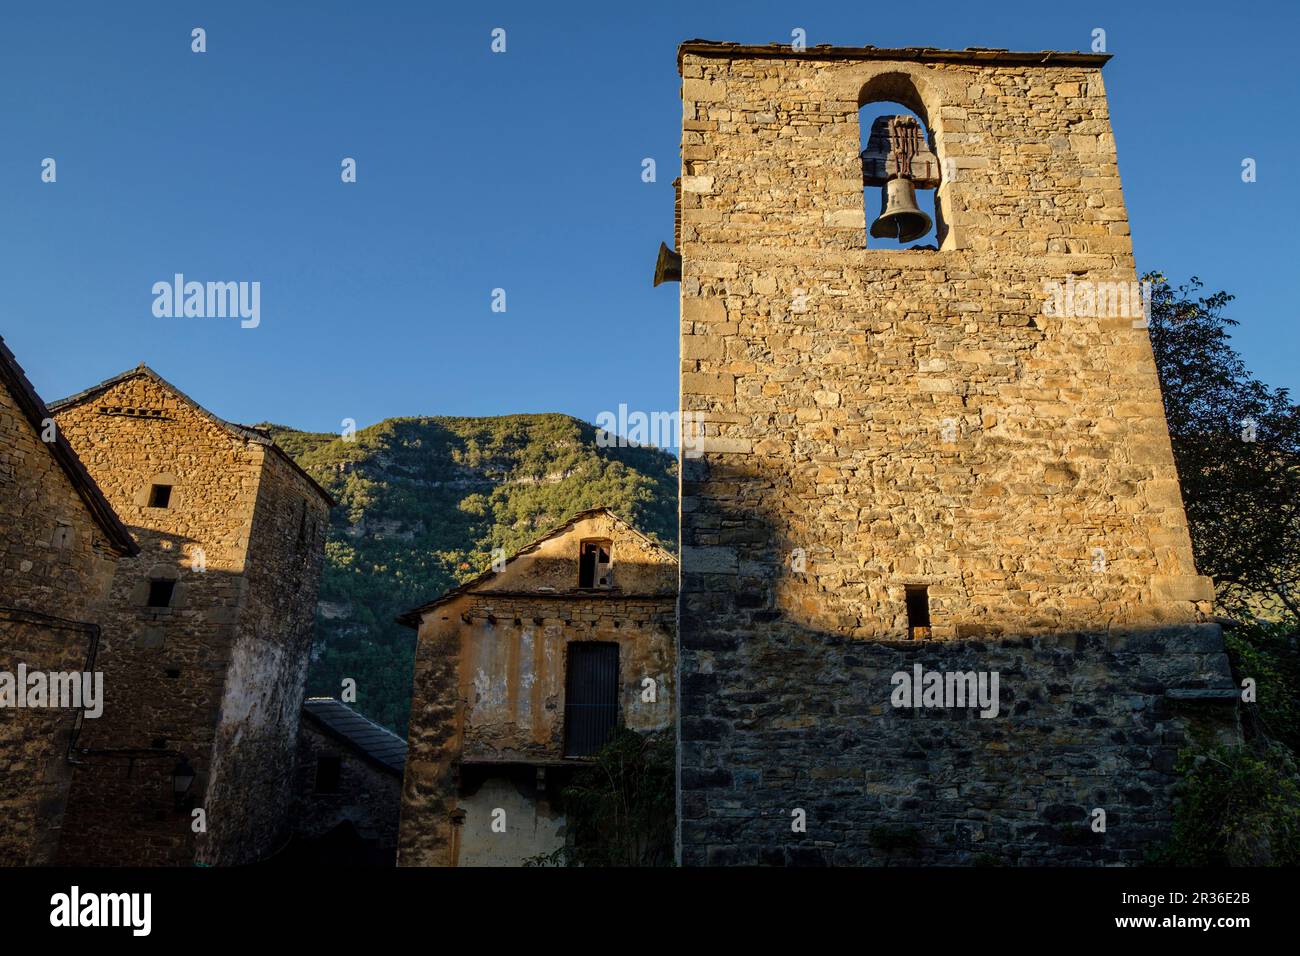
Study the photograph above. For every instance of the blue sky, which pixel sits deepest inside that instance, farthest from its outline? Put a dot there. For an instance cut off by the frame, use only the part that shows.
(519, 171)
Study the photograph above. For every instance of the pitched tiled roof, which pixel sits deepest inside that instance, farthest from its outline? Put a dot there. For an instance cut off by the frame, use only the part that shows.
(254, 435)
(36, 412)
(379, 744)
(411, 618)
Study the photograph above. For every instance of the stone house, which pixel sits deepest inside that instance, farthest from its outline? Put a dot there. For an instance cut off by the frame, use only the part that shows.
(520, 676)
(920, 462)
(60, 542)
(349, 786)
(206, 638)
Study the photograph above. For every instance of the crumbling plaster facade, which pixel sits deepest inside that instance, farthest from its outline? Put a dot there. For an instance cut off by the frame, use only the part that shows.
(489, 690)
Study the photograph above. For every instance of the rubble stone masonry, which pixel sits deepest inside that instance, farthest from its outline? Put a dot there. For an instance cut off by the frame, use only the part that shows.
(368, 795)
(215, 678)
(879, 419)
(56, 565)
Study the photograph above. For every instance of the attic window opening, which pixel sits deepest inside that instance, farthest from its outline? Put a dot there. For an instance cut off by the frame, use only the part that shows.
(594, 560)
(160, 496)
(329, 772)
(900, 171)
(160, 593)
(62, 538)
(918, 612)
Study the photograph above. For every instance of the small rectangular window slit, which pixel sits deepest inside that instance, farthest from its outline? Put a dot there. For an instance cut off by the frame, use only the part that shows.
(918, 612)
(160, 496)
(329, 773)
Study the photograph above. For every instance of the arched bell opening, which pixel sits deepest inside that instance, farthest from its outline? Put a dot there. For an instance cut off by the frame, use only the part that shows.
(900, 166)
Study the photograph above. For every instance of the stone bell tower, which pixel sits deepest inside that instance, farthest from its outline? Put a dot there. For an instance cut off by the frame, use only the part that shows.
(927, 475)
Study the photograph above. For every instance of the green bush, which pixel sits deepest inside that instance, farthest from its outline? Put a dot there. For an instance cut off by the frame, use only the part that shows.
(1237, 806)
(621, 810)
(1268, 653)
(1240, 806)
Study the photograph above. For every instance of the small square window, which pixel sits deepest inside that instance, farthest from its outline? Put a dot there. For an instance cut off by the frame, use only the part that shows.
(160, 496)
(160, 593)
(329, 770)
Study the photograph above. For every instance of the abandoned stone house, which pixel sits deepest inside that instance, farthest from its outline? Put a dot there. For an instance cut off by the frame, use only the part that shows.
(348, 790)
(205, 637)
(521, 674)
(60, 542)
(912, 459)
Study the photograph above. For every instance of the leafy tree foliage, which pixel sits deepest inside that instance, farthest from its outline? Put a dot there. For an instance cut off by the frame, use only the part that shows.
(1238, 806)
(1237, 447)
(1236, 443)
(1269, 654)
(621, 810)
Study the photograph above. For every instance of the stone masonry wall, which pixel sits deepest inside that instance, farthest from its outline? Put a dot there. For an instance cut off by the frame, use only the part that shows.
(368, 797)
(252, 783)
(54, 570)
(878, 419)
(172, 675)
(164, 668)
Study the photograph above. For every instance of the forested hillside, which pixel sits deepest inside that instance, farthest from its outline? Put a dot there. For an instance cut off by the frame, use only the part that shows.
(423, 501)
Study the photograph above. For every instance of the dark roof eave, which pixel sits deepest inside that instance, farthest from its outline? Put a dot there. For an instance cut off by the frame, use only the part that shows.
(319, 721)
(919, 54)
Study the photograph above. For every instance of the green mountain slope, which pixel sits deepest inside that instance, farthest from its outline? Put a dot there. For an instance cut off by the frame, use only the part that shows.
(423, 501)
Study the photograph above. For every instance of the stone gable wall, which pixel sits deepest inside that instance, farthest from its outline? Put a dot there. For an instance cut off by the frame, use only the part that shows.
(167, 670)
(368, 797)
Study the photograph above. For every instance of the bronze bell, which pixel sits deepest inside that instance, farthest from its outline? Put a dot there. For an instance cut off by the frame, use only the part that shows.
(900, 217)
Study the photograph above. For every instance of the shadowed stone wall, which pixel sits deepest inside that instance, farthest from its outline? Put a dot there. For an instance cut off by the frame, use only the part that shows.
(368, 798)
(216, 677)
(55, 570)
(876, 420)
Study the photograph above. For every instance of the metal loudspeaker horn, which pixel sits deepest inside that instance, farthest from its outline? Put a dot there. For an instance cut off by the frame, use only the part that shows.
(668, 267)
